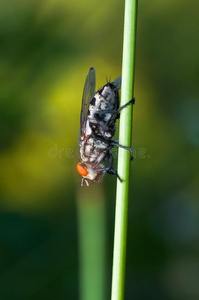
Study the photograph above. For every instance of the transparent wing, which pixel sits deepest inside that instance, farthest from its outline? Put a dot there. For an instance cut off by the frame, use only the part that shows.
(88, 93)
(117, 82)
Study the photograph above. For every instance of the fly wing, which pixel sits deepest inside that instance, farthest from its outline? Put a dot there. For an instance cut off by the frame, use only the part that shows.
(88, 93)
(117, 82)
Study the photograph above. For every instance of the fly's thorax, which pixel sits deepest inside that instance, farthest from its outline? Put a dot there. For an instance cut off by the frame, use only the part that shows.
(107, 135)
(86, 148)
(92, 150)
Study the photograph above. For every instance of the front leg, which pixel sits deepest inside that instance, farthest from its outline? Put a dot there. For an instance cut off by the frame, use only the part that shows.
(114, 172)
(110, 169)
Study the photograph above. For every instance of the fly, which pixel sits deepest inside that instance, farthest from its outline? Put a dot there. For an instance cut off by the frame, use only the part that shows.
(99, 113)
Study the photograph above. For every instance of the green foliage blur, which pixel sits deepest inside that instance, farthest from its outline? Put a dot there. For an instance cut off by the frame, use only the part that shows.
(47, 48)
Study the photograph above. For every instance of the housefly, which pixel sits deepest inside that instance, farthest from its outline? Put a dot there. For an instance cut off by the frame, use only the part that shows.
(99, 113)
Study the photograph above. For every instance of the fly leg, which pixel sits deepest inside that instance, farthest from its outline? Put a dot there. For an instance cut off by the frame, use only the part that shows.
(113, 111)
(109, 169)
(123, 106)
(114, 172)
(116, 143)
(111, 144)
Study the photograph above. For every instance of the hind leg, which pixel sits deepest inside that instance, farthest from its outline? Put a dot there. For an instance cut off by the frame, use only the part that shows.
(113, 111)
(125, 105)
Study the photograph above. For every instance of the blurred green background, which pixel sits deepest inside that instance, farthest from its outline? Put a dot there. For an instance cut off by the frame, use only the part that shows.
(47, 48)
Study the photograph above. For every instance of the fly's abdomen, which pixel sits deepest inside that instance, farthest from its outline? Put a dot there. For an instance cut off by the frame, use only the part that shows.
(102, 112)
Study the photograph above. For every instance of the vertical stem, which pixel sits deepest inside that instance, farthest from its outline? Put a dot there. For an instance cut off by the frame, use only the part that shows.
(128, 65)
(91, 227)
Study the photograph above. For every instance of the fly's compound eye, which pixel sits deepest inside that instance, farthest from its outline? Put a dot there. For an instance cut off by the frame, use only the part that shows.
(81, 170)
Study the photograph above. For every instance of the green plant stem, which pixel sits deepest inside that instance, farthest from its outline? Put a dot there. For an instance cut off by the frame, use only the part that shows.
(91, 233)
(119, 252)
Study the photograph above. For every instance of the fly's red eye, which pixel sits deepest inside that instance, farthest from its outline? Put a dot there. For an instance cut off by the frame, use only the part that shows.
(81, 170)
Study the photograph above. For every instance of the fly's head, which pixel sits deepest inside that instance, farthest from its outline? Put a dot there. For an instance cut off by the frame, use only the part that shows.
(88, 172)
